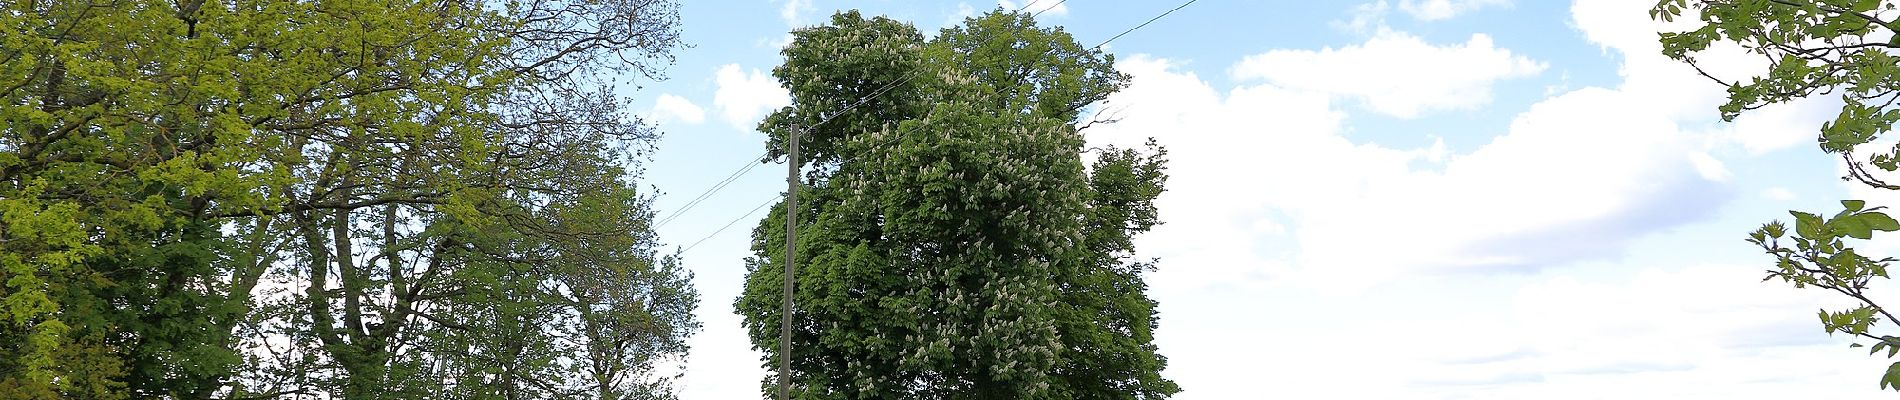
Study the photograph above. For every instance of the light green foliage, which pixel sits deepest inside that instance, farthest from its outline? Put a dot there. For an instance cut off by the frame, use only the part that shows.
(345, 198)
(1820, 258)
(952, 244)
(1817, 48)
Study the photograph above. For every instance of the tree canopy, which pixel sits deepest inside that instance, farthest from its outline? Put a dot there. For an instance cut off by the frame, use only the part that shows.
(364, 199)
(952, 243)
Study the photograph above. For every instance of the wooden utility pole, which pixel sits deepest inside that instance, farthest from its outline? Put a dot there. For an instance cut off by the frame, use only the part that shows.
(791, 236)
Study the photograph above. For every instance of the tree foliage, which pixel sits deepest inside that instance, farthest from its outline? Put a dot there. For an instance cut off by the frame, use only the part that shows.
(1817, 48)
(951, 242)
(364, 199)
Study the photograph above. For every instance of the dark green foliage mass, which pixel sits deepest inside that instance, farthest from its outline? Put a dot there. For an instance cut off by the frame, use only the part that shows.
(953, 242)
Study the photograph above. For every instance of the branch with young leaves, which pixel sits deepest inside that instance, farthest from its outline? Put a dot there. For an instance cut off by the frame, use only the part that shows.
(1813, 48)
(1820, 257)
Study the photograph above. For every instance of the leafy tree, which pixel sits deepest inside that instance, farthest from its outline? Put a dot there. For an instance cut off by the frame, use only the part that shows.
(364, 199)
(951, 242)
(1818, 48)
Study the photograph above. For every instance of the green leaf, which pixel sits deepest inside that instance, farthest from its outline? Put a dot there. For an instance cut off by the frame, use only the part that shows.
(1807, 225)
(1880, 221)
(1892, 378)
(1853, 205)
(1854, 226)
(1775, 229)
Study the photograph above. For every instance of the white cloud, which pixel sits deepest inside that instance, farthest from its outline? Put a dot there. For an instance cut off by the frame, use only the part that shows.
(674, 108)
(1709, 167)
(1366, 18)
(723, 350)
(1562, 184)
(1578, 176)
(1780, 126)
(743, 97)
(1558, 195)
(776, 43)
(1624, 27)
(1706, 331)
(1395, 73)
(1433, 10)
(1369, 17)
(964, 11)
(1679, 92)
(1059, 8)
(1699, 309)
(793, 11)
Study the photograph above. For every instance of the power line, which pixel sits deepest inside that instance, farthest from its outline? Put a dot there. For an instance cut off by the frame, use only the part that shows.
(729, 224)
(749, 165)
(1039, 13)
(756, 161)
(1150, 20)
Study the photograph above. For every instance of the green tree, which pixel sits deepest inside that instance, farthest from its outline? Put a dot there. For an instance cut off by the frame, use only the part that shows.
(365, 199)
(951, 242)
(1817, 48)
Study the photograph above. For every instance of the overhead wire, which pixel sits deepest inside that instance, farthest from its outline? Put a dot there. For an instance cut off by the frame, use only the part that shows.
(1027, 5)
(749, 165)
(728, 225)
(761, 159)
(1039, 13)
(1150, 20)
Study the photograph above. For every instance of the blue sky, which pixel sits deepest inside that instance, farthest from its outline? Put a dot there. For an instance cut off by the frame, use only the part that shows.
(1456, 199)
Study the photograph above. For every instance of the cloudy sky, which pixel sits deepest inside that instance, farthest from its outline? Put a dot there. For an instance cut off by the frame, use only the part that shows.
(1421, 199)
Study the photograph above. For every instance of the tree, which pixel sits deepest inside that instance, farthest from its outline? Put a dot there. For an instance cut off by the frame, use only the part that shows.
(260, 198)
(951, 242)
(1817, 48)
